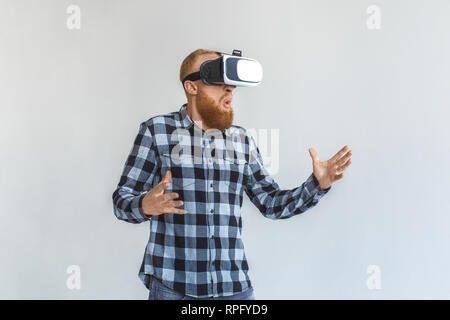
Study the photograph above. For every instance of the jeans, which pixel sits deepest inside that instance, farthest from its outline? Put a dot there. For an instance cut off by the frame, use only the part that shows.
(159, 291)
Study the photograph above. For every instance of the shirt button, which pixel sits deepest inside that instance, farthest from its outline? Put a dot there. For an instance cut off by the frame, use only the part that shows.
(211, 185)
(212, 210)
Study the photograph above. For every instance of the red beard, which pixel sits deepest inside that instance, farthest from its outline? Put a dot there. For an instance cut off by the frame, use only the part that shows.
(212, 113)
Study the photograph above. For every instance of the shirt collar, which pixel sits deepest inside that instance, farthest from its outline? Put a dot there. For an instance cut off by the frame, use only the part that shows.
(187, 122)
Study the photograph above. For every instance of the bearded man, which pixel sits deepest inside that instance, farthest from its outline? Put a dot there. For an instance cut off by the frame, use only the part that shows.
(186, 175)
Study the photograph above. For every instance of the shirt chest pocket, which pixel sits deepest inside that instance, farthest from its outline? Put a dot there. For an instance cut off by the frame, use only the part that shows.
(232, 174)
(182, 168)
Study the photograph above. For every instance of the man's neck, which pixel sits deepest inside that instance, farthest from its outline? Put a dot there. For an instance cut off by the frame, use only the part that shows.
(195, 116)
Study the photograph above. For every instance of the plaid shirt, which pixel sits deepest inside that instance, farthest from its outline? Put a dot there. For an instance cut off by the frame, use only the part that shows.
(201, 253)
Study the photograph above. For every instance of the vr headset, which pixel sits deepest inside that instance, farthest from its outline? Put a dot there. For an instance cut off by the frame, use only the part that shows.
(231, 69)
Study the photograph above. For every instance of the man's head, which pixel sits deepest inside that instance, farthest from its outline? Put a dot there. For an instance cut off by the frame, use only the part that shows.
(212, 103)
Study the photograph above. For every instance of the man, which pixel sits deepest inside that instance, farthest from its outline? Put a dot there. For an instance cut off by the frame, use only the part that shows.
(193, 203)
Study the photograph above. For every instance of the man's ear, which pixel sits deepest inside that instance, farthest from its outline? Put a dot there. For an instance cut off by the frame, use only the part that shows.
(190, 87)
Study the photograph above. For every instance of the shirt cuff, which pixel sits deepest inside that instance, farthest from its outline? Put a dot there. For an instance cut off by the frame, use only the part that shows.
(316, 186)
(136, 207)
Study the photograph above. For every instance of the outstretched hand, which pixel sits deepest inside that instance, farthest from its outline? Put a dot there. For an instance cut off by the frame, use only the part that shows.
(156, 202)
(328, 172)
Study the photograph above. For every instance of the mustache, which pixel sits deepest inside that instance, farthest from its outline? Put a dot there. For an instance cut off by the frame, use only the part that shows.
(227, 96)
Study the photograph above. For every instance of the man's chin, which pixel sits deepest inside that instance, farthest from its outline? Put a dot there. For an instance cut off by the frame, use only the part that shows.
(216, 115)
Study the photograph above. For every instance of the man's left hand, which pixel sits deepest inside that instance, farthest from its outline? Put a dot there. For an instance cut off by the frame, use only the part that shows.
(328, 172)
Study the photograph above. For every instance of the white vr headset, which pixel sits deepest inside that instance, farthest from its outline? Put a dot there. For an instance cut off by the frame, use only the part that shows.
(233, 70)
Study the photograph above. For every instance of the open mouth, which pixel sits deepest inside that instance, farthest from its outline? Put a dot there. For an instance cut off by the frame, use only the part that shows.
(227, 103)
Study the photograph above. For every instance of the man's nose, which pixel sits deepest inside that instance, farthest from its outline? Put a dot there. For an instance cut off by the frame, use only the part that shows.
(229, 88)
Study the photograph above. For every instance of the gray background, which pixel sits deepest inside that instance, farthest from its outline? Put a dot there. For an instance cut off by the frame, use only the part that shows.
(72, 101)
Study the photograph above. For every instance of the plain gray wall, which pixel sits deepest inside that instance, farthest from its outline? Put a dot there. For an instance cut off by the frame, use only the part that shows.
(72, 101)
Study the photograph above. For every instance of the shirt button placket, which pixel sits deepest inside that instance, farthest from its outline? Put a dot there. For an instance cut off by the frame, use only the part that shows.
(210, 218)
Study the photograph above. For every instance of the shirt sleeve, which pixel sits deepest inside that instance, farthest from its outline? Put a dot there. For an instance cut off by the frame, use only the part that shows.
(267, 196)
(136, 179)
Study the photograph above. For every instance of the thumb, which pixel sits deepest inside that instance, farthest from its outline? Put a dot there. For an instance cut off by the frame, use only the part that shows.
(313, 154)
(162, 184)
(168, 176)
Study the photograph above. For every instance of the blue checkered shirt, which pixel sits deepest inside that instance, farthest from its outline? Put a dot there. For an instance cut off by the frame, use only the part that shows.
(201, 253)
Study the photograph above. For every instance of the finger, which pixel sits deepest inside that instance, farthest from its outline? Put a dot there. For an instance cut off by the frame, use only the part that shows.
(345, 166)
(162, 185)
(313, 154)
(170, 204)
(338, 177)
(179, 211)
(340, 153)
(344, 159)
(174, 210)
(172, 195)
(167, 176)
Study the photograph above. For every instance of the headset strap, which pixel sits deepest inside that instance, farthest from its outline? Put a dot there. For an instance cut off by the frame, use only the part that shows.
(192, 77)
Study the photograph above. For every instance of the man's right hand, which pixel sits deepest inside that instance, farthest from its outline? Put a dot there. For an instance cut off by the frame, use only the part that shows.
(156, 202)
